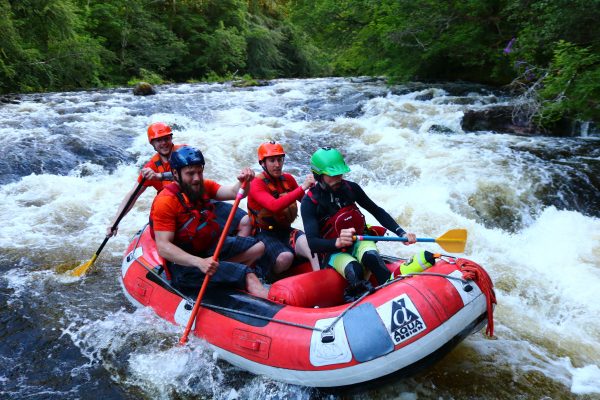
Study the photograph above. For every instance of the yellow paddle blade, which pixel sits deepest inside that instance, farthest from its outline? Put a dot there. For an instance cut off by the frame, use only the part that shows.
(82, 269)
(66, 267)
(453, 241)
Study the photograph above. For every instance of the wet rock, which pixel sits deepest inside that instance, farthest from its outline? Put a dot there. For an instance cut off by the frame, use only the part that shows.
(143, 89)
(427, 96)
(8, 99)
(503, 119)
(440, 129)
(242, 83)
(497, 119)
(367, 79)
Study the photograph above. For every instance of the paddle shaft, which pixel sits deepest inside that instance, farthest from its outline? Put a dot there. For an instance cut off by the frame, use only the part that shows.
(215, 257)
(390, 238)
(453, 241)
(80, 270)
(122, 214)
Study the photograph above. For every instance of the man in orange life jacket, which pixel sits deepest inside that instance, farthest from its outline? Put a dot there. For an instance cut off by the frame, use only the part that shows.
(183, 224)
(331, 218)
(157, 173)
(272, 209)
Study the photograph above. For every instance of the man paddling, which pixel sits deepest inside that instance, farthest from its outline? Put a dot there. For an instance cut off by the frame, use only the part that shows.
(331, 218)
(157, 173)
(183, 223)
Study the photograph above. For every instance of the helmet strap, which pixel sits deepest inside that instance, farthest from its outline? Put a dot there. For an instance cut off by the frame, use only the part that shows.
(263, 164)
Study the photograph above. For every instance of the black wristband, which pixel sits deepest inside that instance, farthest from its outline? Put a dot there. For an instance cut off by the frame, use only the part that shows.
(400, 232)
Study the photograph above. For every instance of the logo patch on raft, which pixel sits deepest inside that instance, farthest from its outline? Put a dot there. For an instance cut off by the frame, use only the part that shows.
(401, 318)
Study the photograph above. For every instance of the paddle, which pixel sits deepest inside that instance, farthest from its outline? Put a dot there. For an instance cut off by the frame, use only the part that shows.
(82, 269)
(452, 241)
(238, 197)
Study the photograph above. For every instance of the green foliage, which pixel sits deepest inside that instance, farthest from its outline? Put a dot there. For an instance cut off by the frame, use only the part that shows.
(463, 40)
(146, 76)
(265, 59)
(571, 87)
(134, 36)
(69, 44)
(225, 50)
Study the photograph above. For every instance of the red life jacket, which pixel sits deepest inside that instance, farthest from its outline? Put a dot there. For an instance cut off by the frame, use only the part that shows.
(200, 231)
(348, 216)
(160, 167)
(265, 219)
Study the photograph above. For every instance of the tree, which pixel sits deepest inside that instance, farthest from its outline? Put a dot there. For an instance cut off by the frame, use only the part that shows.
(135, 36)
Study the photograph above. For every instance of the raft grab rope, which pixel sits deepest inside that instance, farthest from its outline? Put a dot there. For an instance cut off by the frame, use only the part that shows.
(476, 273)
(471, 272)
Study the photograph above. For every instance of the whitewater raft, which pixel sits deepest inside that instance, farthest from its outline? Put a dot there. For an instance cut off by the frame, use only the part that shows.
(305, 335)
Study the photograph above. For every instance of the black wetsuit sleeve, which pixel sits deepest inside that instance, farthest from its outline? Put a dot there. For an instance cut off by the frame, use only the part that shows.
(379, 213)
(317, 244)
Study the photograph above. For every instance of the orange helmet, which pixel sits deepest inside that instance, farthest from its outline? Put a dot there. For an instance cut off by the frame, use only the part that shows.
(269, 149)
(158, 130)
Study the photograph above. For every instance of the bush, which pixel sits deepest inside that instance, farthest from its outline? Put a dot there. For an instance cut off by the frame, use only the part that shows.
(571, 87)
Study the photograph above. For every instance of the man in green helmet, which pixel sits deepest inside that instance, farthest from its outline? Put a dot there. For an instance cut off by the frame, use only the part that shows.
(331, 218)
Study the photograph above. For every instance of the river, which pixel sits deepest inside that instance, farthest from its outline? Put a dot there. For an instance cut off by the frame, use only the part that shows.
(531, 205)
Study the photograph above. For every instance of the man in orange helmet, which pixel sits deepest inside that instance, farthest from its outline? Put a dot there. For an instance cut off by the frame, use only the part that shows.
(272, 209)
(157, 173)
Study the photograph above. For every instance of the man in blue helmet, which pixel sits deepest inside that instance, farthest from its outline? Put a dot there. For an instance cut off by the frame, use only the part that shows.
(183, 223)
(331, 218)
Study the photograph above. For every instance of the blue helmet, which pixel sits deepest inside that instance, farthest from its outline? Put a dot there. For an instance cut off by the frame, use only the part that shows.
(185, 156)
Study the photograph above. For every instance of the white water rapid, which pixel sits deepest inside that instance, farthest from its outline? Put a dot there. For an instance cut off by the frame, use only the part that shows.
(527, 203)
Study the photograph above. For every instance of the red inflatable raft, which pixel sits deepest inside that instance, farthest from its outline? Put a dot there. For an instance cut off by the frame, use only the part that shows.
(305, 335)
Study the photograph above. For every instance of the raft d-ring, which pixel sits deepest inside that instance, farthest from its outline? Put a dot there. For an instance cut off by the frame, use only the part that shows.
(327, 336)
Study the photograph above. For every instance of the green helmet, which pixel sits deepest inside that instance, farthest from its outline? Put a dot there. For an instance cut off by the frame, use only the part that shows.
(328, 161)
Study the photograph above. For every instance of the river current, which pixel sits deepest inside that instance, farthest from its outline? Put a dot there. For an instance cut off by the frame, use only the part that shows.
(531, 205)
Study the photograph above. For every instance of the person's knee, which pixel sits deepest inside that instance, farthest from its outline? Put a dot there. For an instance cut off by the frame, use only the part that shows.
(371, 257)
(244, 227)
(256, 251)
(353, 272)
(373, 261)
(283, 262)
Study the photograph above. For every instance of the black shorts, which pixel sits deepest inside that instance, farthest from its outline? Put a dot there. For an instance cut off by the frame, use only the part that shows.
(232, 246)
(276, 243)
(189, 280)
(222, 210)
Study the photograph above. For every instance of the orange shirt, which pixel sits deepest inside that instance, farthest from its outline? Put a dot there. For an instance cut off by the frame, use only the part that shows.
(158, 166)
(168, 214)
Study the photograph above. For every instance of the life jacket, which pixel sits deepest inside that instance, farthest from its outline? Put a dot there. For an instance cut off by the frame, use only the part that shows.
(161, 167)
(335, 217)
(267, 220)
(200, 231)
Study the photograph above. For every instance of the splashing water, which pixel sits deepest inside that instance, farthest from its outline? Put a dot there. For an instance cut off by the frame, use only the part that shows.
(530, 204)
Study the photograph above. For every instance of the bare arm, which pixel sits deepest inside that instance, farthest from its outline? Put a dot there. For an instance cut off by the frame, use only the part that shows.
(230, 192)
(169, 251)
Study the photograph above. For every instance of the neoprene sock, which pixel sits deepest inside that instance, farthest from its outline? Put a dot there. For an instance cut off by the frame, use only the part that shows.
(373, 261)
